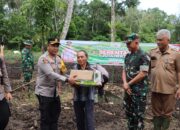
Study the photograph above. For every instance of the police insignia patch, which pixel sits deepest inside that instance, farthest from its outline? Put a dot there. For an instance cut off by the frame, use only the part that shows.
(45, 61)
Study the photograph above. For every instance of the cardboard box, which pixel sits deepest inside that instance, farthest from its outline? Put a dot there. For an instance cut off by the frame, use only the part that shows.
(87, 77)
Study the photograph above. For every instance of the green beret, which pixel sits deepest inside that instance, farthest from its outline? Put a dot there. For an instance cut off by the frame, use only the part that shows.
(28, 42)
(131, 37)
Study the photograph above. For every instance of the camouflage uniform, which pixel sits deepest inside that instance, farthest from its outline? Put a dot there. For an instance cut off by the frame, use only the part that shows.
(27, 62)
(136, 102)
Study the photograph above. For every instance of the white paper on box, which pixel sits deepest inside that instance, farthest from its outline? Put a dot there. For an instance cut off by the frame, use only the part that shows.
(82, 74)
(97, 77)
(87, 77)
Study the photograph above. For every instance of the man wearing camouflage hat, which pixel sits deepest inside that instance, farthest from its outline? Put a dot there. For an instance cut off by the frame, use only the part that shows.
(27, 61)
(134, 76)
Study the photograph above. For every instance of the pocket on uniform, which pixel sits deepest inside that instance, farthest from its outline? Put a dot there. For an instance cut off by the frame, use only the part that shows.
(170, 65)
(153, 63)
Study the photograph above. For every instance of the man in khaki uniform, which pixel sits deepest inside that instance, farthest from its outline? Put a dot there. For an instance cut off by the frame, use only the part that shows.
(5, 92)
(48, 79)
(165, 74)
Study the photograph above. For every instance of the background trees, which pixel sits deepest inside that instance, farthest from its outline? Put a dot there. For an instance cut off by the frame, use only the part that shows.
(67, 19)
(96, 20)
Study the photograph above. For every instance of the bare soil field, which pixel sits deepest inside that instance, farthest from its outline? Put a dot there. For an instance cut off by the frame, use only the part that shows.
(109, 113)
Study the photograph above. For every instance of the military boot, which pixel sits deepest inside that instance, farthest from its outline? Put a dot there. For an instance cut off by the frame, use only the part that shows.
(157, 121)
(165, 123)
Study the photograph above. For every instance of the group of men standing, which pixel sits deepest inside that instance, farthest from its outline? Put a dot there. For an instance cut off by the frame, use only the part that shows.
(162, 65)
(48, 80)
(160, 68)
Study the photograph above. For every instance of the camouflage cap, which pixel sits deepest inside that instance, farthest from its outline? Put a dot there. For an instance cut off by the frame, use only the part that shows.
(131, 37)
(28, 42)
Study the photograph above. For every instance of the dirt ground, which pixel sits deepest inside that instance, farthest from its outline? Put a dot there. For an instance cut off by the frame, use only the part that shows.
(109, 113)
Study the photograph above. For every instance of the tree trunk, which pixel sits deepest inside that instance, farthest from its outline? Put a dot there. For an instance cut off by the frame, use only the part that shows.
(54, 18)
(43, 41)
(67, 19)
(113, 31)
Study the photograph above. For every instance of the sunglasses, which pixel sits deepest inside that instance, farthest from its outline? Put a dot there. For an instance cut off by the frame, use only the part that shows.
(159, 39)
(55, 45)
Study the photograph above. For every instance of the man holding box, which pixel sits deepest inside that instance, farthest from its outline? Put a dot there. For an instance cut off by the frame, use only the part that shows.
(49, 76)
(84, 96)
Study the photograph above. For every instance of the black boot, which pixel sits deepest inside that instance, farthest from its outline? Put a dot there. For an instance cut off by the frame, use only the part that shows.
(157, 121)
(165, 123)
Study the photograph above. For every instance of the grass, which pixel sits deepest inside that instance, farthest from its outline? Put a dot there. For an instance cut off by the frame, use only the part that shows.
(11, 57)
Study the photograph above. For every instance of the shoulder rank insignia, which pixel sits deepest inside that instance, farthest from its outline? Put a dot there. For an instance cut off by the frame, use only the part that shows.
(45, 61)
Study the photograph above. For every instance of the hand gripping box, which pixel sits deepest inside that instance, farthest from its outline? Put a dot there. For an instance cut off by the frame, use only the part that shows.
(87, 77)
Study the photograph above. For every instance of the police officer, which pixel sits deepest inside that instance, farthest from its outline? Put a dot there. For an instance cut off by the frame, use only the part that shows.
(5, 95)
(134, 78)
(165, 74)
(48, 78)
(27, 61)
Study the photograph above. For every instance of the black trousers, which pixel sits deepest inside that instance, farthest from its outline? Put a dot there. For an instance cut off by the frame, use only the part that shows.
(4, 114)
(101, 89)
(49, 112)
(84, 111)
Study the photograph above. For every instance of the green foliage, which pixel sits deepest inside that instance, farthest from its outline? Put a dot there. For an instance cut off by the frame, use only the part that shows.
(11, 57)
(90, 21)
(40, 19)
(2, 3)
(43, 10)
(176, 36)
(121, 31)
(122, 6)
(100, 38)
(15, 42)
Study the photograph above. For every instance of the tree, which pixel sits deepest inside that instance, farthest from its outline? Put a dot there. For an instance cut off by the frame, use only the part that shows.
(177, 30)
(43, 12)
(67, 19)
(14, 4)
(120, 8)
(98, 17)
(113, 31)
(39, 19)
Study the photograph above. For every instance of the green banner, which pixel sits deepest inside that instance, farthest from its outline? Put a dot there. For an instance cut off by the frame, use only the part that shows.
(105, 53)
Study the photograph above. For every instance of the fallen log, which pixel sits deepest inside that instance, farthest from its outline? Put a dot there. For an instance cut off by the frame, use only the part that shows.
(22, 86)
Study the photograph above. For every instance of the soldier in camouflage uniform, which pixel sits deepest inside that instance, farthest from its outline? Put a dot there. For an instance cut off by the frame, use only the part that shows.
(135, 83)
(27, 61)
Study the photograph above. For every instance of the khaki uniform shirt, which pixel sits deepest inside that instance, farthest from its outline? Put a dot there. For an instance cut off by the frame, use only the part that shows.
(164, 69)
(48, 76)
(4, 80)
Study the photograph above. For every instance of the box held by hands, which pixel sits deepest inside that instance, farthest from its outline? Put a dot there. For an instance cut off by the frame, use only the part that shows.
(87, 77)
